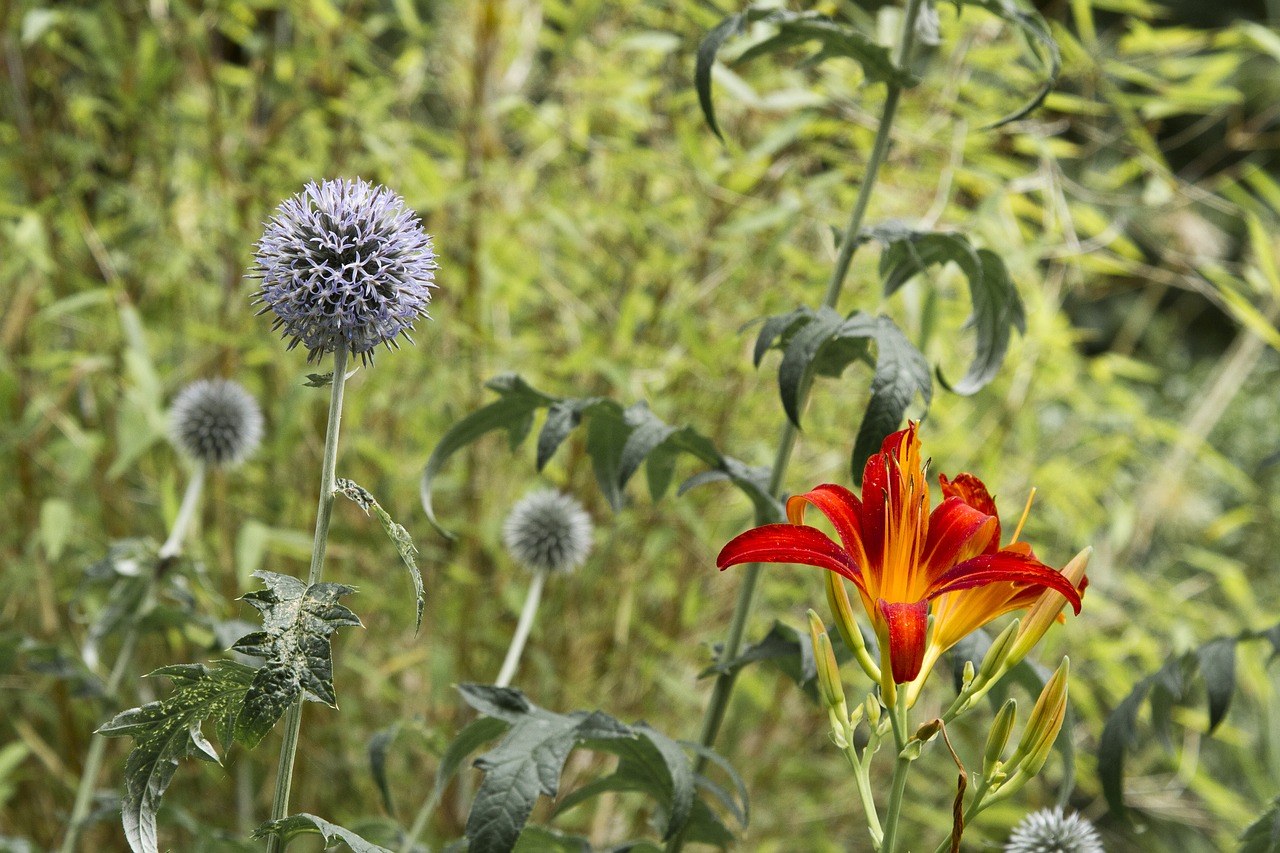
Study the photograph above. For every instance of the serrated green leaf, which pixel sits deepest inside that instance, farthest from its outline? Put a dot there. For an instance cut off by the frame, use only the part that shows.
(513, 411)
(783, 645)
(996, 305)
(169, 730)
(607, 434)
(318, 380)
(293, 826)
(397, 534)
(525, 764)
(1263, 835)
(901, 371)
(797, 361)
(1035, 28)
(1217, 660)
(298, 621)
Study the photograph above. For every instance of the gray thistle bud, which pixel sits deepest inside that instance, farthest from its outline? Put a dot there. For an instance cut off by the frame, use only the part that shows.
(215, 422)
(547, 531)
(1049, 831)
(344, 262)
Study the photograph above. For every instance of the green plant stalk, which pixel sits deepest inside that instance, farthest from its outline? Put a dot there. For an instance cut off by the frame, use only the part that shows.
(324, 513)
(862, 778)
(723, 688)
(901, 767)
(97, 743)
(523, 627)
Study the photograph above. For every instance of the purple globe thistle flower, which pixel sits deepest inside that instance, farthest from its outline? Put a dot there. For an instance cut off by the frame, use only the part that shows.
(548, 531)
(1050, 831)
(344, 261)
(215, 422)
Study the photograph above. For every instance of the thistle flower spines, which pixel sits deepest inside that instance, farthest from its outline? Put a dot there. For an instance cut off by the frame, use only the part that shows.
(215, 422)
(1050, 831)
(345, 262)
(548, 531)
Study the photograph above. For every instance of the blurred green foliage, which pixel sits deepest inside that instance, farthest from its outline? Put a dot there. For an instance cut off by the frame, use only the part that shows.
(594, 235)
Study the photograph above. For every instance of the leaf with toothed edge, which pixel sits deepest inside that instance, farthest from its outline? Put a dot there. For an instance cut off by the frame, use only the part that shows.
(395, 532)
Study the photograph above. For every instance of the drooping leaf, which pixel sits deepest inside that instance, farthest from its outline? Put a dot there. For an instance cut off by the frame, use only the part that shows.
(1037, 31)
(512, 411)
(997, 307)
(738, 804)
(797, 360)
(169, 730)
(706, 58)
(562, 418)
(396, 533)
(379, 746)
(293, 826)
(1217, 660)
(607, 434)
(788, 648)
(298, 621)
(1263, 835)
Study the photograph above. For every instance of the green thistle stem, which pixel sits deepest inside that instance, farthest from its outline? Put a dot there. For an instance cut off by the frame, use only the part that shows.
(124, 660)
(723, 687)
(324, 512)
(523, 627)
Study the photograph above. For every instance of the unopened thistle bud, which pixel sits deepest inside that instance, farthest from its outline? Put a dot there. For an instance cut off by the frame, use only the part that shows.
(215, 422)
(345, 262)
(547, 531)
(1048, 831)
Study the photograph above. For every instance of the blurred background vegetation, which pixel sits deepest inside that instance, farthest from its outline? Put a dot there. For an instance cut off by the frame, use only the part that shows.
(596, 237)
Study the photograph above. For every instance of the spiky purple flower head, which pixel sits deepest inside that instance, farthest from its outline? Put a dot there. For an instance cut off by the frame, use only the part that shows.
(345, 261)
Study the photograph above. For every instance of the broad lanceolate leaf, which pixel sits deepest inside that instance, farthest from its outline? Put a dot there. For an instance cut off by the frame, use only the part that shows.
(619, 440)
(512, 411)
(289, 828)
(1035, 28)
(835, 39)
(399, 537)
(823, 342)
(996, 306)
(166, 731)
(298, 621)
(528, 762)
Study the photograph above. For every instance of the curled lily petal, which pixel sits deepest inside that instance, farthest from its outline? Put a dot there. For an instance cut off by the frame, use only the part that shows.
(789, 543)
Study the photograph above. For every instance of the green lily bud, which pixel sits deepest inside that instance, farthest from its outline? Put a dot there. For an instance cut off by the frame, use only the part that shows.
(993, 663)
(966, 677)
(998, 737)
(1044, 723)
(1047, 608)
(842, 609)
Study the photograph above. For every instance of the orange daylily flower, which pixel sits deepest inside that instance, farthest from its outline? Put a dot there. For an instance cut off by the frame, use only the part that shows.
(904, 558)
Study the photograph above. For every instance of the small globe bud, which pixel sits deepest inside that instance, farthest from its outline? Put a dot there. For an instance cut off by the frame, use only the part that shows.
(215, 422)
(547, 531)
(1049, 831)
(345, 262)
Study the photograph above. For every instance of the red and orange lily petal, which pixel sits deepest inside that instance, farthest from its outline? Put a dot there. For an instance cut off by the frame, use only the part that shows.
(902, 557)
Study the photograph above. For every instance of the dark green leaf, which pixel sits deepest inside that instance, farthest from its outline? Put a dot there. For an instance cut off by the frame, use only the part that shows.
(1035, 28)
(399, 537)
(706, 58)
(901, 371)
(540, 839)
(298, 622)
(648, 431)
(293, 826)
(607, 434)
(740, 807)
(797, 361)
(837, 40)
(169, 730)
(526, 764)
(1119, 735)
(777, 327)
(379, 744)
(562, 417)
(1263, 835)
(512, 411)
(319, 380)
(790, 649)
(1217, 660)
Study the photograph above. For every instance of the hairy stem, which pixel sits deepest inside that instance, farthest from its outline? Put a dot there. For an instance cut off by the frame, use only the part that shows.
(293, 717)
(523, 627)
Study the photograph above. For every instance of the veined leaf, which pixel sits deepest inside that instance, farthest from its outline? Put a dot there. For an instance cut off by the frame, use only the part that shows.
(289, 828)
(399, 537)
(528, 761)
(835, 39)
(166, 731)
(996, 305)
(298, 620)
(513, 411)
(619, 440)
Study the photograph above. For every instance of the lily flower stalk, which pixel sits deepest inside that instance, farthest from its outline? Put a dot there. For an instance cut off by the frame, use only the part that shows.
(908, 563)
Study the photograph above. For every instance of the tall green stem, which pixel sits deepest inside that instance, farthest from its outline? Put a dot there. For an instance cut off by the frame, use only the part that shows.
(718, 704)
(124, 659)
(901, 766)
(324, 512)
(523, 627)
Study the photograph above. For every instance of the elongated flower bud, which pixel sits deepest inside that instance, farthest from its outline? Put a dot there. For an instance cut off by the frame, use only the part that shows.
(998, 737)
(547, 531)
(1047, 608)
(345, 262)
(838, 600)
(1043, 725)
(215, 422)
